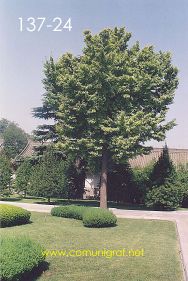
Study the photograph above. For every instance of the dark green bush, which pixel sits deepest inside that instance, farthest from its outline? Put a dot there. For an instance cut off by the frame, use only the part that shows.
(165, 197)
(96, 217)
(13, 215)
(185, 199)
(182, 179)
(18, 257)
(72, 211)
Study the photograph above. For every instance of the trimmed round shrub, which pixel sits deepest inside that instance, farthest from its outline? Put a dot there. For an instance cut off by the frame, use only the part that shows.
(12, 215)
(19, 256)
(71, 211)
(96, 217)
(165, 197)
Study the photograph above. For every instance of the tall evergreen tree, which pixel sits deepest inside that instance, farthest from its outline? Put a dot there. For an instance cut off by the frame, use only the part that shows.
(163, 169)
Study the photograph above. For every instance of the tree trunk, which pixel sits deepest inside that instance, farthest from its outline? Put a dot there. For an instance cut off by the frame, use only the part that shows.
(25, 193)
(48, 200)
(103, 187)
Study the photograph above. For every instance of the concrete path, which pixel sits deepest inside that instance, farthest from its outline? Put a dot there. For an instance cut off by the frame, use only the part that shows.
(180, 217)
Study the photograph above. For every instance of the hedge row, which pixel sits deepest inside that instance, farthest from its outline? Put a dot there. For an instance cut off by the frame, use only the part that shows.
(72, 211)
(92, 217)
(13, 215)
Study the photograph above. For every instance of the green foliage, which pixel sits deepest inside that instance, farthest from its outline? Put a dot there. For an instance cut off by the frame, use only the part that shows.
(163, 170)
(164, 197)
(75, 177)
(110, 100)
(121, 184)
(15, 139)
(72, 211)
(113, 95)
(49, 108)
(23, 175)
(99, 218)
(13, 215)
(142, 180)
(91, 217)
(5, 173)
(3, 125)
(48, 177)
(18, 257)
(182, 179)
(57, 176)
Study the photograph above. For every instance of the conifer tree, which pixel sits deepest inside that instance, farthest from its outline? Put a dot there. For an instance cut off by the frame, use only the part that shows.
(163, 169)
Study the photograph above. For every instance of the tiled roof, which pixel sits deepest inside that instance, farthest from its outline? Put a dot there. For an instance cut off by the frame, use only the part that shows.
(178, 156)
(30, 149)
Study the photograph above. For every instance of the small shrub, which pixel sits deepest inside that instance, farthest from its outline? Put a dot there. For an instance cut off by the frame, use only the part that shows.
(168, 196)
(99, 218)
(72, 211)
(182, 179)
(18, 257)
(13, 215)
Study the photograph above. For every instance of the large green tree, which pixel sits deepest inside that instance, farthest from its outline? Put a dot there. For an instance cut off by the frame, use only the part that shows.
(112, 99)
(15, 139)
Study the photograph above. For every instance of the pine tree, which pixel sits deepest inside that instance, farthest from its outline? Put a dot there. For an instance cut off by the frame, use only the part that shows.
(163, 170)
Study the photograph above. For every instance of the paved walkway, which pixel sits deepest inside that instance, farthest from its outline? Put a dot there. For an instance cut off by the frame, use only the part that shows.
(180, 217)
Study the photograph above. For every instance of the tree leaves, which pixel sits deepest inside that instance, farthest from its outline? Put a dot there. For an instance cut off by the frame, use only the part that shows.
(112, 94)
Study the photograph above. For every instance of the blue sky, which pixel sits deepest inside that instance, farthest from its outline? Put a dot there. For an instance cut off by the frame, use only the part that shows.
(162, 23)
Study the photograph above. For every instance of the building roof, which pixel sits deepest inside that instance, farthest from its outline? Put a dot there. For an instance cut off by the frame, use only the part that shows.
(28, 150)
(178, 156)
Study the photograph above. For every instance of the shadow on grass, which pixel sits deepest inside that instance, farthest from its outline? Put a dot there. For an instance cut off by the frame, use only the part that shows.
(95, 203)
(36, 272)
(13, 225)
(85, 202)
(89, 203)
(11, 199)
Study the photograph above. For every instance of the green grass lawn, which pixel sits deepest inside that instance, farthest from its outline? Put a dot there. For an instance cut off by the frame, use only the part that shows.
(161, 259)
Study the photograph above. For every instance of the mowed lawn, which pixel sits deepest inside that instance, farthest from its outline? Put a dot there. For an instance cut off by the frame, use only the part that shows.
(161, 259)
